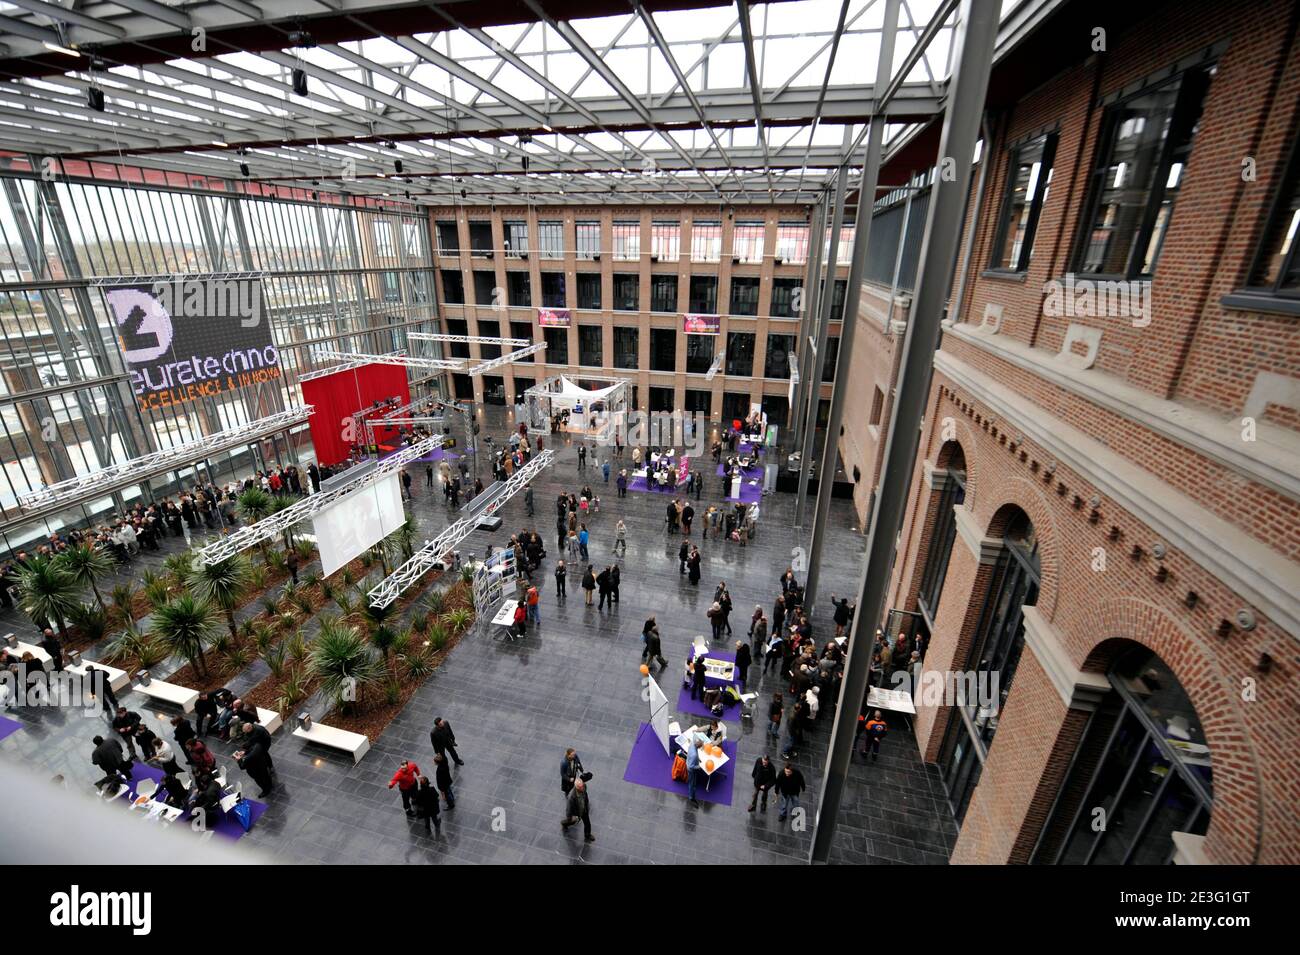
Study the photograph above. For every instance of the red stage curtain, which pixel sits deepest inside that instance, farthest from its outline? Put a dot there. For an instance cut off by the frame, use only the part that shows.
(339, 396)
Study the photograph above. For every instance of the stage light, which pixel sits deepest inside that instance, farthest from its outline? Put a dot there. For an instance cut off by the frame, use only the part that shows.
(397, 165)
(300, 82)
(243, 170)
(95, 99)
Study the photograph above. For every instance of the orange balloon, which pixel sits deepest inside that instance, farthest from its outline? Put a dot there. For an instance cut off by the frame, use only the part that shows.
(645, 670)
(709, 765)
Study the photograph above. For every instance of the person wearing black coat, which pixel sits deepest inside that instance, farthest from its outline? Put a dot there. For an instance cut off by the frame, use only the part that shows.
(743, 660)
(184, 731)
(108, 757)
(683, 552)
(789, 784)
(176, 792)
(426, 806)
(444, 741)
(653, 649)
(257, 734)
(256, 761)
(205, 709)
(124, 725)
(100, 682)
(697, 678)
(764, 779)
(442, 777)
(570, 769)
(605, 582)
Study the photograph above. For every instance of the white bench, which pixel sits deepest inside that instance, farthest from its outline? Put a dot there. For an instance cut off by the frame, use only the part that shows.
(19, 648)
(118, 680)
(354, 743)
(269, 719)
(181, 696)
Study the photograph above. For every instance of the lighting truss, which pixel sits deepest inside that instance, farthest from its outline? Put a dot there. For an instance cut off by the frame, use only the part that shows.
(468, 339)
(134, 471)
(435, 551)
(714, 367)
(348, 365)
(356, 359)
(170, 280)
(271, 527)
(507, 358)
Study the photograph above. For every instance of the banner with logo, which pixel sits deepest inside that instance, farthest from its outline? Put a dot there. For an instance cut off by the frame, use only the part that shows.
(702, 324)
(553, 317)
(193, 338)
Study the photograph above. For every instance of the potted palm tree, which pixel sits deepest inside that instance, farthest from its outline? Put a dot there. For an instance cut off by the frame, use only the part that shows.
(88, 566)
(186, 626)
(343, 661)
(222, 584)
(49, 592)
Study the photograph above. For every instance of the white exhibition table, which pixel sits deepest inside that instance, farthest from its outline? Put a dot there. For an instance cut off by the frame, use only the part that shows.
(684, 741)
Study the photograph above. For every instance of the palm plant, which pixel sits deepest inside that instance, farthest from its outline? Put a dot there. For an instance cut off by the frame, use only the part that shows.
(49, 593)
(419, 664)
(157, 592)
(123, 600)
(383, 639)
(179, 567)
(222, 584)
(255, 504)
(457, 620)
(135, 645)
(88, 566)
(90, 620)
(185, 626)
(278, 504)
(436, 602)
(276, 659)
(343, 661)
(436, 636)
(295, 689)
(256, 578)
(306, 550)
(466, 574)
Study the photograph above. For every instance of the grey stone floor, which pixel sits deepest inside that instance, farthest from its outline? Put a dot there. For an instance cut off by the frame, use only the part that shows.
(573, 682)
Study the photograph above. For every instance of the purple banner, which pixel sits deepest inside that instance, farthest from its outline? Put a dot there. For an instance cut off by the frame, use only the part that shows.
(702, 324)
(553, 317)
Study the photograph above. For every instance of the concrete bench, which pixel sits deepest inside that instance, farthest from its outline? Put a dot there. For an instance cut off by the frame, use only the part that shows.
(354, 743)
(118, 680)
(17, 648)
(181, 696)
(269, 719)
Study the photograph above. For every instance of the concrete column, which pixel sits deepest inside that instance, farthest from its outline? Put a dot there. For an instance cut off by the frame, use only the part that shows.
(807, 310)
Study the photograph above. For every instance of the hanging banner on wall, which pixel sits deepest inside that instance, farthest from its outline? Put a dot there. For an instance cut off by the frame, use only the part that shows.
(553, 317)
(702, 324)
(193, 338)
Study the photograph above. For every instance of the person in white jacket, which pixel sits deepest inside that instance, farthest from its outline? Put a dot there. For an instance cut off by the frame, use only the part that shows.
(814, 701)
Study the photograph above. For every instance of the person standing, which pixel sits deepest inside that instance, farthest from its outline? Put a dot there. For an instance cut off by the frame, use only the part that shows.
(442, 777)
(621, 482)
(789, 784)
(583, 539)
(426, 806)
(683, 552)
(653, 649)
(693, 761)
(693, 566)
(588, 584)
(406, 484)
(428, 474)
(758, 633)
(570, 770)
(874, 731)
(291, 562)
(605, 582)
(256, 761)
(50, 644)
(578, 806)
(582, 457)
(532, 600)
(444, 740)
(764, 775)
(528, 499)
(842, 614)
(673, 515)
(775, 710)
(620, 537)
(605, 470)
(405, 780)
(743, 659)
(108, 757)
(688, 515)
(698, 673)
(615, 578)
(125, 724)
(560, 574)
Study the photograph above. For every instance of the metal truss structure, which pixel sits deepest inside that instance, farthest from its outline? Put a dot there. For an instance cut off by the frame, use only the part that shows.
(116, 476)
(351, 363)
(271, 527)
(715, 366)
(468, 339)
(635, 102)
(357, 359)
(507, 358)
(434, 552)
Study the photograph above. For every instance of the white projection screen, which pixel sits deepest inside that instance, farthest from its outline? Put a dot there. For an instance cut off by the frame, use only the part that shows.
(357, 522)
(659, 714)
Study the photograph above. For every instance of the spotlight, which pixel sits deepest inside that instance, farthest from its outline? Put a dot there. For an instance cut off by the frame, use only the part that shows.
(95, 99)
(243, 169)
(397, 165)
(463, 193)
(301, 38)
(300, 82)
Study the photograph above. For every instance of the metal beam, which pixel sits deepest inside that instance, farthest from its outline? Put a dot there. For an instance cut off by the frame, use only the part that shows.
(974, 45)
(67, 15)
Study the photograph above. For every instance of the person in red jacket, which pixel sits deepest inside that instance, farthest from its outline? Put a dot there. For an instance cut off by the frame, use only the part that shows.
(406, 779)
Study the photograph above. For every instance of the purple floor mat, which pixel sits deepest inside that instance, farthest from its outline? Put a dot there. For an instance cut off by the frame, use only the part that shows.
(227, 825)
(440, 454)
(8, 727)
(649, 765)
(695, 707)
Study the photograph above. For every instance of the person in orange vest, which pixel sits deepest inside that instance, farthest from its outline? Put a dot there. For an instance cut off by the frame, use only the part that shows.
(874, 730)
(532, 599)
(406, 779)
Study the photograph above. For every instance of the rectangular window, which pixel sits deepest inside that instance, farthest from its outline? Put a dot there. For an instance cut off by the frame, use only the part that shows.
(392, 287)
(384, 245)
(665, 241)
(519, 285)
(626, 342)
(458, 326)
(557, 346)
(1028, 178)
(516, 239)
(589, 290)
(706, 240)
(484, 286)
(1277, 265)
(740, 354)
(448, 238)
(627, 291)
(776, 363)
(553, 291)
(661, 400)
(744, 296)
(522, 330)
(877, 406)
(663, 293)
(550, 239)
(828, 361)
(791, 243)
(489, 330)
(1146, 142)
(841, 288)
(747, 243)
(699, 353)
(704, 294)
(453, 287)
(588, 244)
(786, 300)
(777, 409)
(844, 248)
(663, 349)
(591, 346)
(698, 401)
(627, 241)
(480, 238)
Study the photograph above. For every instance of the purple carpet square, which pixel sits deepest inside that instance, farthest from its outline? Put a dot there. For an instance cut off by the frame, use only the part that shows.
(696, 708)
(440, 454)
(8, 727)
(649, 765)
(227, 825)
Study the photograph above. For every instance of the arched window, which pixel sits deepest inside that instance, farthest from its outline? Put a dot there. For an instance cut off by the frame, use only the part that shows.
(952, 466)
(995, 654)
(1141, 773)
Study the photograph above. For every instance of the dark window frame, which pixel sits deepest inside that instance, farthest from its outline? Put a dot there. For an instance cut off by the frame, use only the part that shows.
(1047, 142)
